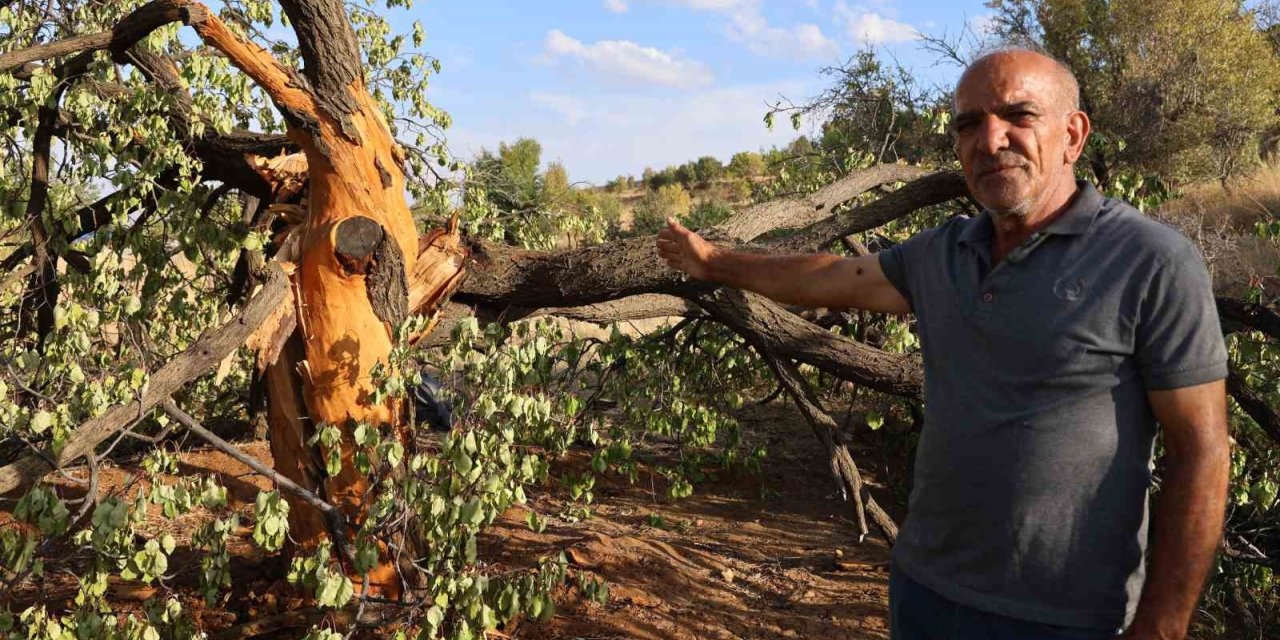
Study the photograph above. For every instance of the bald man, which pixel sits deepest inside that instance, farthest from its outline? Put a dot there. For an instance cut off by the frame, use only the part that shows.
(1058, 328)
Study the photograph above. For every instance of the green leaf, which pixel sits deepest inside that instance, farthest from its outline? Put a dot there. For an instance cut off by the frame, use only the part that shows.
(41, 421)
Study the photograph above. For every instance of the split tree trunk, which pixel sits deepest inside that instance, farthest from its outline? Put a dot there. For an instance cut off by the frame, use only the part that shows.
(356, 250)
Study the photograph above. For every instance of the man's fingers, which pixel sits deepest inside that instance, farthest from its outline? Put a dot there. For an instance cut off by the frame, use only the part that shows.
(675, 226)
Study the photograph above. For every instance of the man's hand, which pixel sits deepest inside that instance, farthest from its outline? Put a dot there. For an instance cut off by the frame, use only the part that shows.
(685, 250)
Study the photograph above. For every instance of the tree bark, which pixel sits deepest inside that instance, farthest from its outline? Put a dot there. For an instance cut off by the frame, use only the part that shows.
(796, 213)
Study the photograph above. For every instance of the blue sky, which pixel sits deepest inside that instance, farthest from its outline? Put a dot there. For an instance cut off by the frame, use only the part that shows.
(610, 87)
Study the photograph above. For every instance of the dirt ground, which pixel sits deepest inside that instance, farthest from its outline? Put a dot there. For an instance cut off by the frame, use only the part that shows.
(774, 555)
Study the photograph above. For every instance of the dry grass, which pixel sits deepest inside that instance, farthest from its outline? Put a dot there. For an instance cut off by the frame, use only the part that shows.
(1222, 218)
(1241, 202)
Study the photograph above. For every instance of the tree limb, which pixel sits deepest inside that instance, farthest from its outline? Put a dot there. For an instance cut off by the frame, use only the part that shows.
(337, 521)
(843, 467)
(795, 213)
(332, 57)
(1254, 404)
(44, 289)
(932, 189)
(131, 29)
(1236, 313)
(203, 355)
(788, 336)
(641, 307)
(510, 277)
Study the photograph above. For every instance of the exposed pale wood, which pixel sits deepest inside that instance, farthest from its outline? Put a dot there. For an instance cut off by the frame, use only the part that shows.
(290, 431)
(287, 173)
(278, 81)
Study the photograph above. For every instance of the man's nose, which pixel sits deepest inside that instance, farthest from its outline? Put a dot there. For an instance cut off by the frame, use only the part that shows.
(992, 134)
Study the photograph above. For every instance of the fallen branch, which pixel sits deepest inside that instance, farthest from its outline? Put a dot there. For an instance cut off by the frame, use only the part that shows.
(795, 213)
(202, 356)
(1237, 315)
(843, 466)
(1253, 404)
(337, 521)
(510, 277)
(789, 336)
(125, 34)
(641, 307)
(932, 189)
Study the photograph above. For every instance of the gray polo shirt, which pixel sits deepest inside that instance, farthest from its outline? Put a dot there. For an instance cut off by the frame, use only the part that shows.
(1031, 477)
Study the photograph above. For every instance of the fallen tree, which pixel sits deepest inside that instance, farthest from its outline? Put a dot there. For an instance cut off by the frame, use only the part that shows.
(346, 280)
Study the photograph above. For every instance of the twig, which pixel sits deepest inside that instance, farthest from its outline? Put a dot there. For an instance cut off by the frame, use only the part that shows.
(337, 521)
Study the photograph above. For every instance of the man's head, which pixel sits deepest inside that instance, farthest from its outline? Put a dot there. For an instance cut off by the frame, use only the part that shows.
(1018, 130)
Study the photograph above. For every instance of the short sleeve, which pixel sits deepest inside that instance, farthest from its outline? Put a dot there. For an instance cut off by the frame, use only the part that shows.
(896, 262)
(1178, 341)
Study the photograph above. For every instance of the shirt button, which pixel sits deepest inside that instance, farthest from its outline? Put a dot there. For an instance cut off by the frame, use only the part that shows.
(987, 296)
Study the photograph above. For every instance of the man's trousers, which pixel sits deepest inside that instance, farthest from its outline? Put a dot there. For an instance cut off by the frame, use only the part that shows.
(918, 613)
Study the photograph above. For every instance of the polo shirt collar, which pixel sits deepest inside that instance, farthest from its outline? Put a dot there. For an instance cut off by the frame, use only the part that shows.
(1076, 220)
(1080, 214)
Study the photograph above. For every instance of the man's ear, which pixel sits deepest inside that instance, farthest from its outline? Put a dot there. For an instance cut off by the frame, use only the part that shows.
(1078, 128)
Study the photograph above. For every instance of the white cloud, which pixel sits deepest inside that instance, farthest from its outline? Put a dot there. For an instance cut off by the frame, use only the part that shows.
(711, 5)
(870, 28)
(802, 41)
(748, 26)
(601, 136)
(627, 60)
(616, 6)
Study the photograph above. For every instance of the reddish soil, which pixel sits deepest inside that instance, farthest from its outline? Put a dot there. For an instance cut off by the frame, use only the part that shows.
(768, 556)
(729, 563)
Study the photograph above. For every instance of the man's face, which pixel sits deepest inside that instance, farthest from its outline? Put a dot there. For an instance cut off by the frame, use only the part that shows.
(1013, 131)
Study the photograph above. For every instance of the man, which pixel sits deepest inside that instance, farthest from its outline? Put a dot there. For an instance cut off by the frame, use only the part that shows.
(1057, 328)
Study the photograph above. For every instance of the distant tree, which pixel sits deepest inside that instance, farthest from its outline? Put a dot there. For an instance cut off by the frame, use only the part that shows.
(709, 168)
(510, 178)
(556, 191)
(746, 164)
(520, 160)
(871, 112)
(621, 183)
(1181, 88)
(652, 211)
(657, 180)
(687, 174)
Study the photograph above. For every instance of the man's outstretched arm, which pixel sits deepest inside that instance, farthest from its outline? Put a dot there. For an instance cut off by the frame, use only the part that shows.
(812, 280)
(1187, 525)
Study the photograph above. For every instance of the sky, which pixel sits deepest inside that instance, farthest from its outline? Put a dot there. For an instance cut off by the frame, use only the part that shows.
(610, 87)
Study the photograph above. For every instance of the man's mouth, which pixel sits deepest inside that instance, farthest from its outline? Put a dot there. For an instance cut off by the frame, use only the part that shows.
(997, 170)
